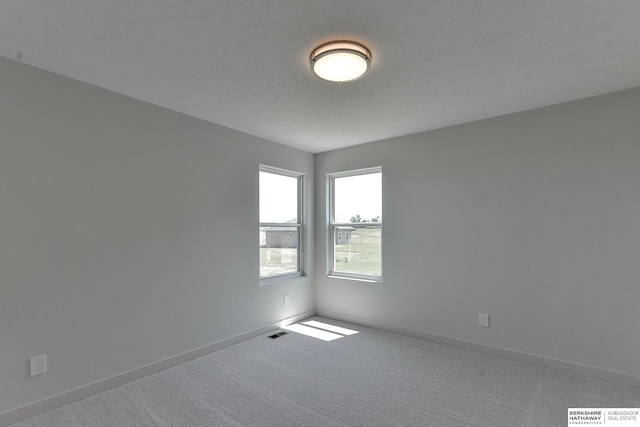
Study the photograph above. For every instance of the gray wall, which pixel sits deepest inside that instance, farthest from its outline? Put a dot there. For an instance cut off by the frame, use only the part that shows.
(533, 218)
(128, 233)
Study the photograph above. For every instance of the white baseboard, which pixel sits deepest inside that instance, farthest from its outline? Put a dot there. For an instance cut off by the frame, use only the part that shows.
(546, 362)
(57, 401)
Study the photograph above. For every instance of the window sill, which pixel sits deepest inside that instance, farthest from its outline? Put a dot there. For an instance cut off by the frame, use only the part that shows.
(355, 279)
(277, 279)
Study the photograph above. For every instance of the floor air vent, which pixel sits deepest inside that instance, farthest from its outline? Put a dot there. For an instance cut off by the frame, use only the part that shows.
(278, 335)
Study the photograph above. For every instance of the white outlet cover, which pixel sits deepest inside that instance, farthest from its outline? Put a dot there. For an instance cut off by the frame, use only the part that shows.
(484, 320)
(286, 300)
(38, 365)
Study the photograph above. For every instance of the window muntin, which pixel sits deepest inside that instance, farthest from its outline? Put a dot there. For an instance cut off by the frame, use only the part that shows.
(280, 194)
(355, 225)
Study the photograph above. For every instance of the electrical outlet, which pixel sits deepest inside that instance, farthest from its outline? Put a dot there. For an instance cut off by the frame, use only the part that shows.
(285, 300)
(38, 365)
(484, 320)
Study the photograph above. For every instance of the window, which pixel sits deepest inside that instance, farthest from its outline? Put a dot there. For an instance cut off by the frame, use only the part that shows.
(280, 224)
(355, 225)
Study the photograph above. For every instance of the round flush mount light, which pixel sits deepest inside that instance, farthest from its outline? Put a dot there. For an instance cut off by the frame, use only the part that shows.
(340, 61)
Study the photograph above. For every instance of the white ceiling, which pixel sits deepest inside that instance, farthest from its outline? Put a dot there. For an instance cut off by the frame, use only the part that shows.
(244, 63)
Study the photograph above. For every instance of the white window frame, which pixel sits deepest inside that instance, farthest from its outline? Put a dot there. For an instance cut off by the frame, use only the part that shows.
(331, 229)
(299, 225)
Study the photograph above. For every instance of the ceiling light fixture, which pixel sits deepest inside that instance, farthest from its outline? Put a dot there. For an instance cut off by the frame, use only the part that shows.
(340, 61)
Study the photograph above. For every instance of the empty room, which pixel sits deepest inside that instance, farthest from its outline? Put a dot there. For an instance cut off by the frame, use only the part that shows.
(319, 213)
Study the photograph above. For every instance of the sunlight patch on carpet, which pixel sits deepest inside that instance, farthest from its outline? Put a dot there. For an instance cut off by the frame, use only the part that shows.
(332, 328)
(312, 332)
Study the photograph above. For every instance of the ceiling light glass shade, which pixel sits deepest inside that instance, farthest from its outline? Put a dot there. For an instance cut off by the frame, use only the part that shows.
(341, 61)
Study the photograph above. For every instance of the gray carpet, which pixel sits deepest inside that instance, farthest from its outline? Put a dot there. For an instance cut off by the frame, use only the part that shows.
(372, 378)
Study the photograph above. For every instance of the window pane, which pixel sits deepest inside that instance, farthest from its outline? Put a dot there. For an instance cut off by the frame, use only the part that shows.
(358, 250)
(358, 198)
(278, 250)
(278, 198)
